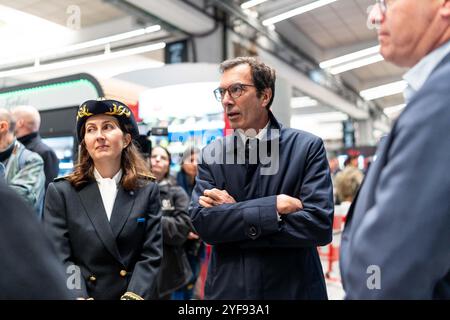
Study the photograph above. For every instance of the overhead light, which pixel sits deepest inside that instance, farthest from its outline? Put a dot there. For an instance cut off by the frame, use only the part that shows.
(384, 90)
(251, 13)
(84, 45)
(182, 15)
(322, 117)
(303, 102)
(81, 61)
(350, 57)
(251, 3)
(357, 64)
(297, 11)
(15, 31)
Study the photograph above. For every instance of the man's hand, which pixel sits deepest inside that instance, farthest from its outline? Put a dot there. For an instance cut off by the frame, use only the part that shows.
(287, 204)
(215, 197)
(192, 236)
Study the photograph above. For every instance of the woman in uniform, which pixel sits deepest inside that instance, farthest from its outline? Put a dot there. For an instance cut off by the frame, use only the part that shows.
(104, 217)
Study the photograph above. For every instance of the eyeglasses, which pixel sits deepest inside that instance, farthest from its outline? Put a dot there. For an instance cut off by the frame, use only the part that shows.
(235, 91)
(378, 13)
(383, 5)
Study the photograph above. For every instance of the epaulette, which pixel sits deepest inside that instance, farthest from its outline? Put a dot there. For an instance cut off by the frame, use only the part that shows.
(60, 178)
(147, 177)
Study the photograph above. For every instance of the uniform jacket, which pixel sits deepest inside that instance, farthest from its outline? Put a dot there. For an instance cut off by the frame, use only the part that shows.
(175, 270)
(115, 256)
(255, 256)
(24, 174)
(34, 143)
(398, 228)
(31, 267)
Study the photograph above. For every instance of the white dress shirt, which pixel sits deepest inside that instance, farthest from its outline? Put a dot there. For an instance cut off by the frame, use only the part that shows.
(261, 134)
(419, 74)
(108, 190)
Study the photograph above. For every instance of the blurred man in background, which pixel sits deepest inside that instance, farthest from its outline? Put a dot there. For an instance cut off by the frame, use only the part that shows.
(23, 168)
(28, 122)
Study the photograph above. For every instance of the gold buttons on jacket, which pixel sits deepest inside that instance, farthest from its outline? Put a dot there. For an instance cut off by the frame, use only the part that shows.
(123, 273)
(92, 278)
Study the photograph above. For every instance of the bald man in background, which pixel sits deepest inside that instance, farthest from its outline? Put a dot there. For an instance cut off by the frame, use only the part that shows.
(28, 122)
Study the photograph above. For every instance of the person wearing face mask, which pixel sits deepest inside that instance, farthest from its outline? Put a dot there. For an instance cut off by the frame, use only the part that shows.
(104, 218)
(176, 225)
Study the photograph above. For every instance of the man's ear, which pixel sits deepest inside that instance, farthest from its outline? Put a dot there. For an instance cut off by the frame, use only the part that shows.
(266, 96)
(4, 126)
(444, 11)
(19, 123)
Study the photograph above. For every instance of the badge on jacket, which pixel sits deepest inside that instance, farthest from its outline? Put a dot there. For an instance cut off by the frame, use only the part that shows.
(166, 204)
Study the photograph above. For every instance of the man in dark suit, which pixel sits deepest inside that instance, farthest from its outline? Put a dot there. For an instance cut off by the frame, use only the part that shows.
(397, 238)
(264, 207)
(28, 122)
(29, 264)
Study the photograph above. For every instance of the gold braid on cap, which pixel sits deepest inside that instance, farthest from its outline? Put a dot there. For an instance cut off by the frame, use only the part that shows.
(83, 112)
(118, 111)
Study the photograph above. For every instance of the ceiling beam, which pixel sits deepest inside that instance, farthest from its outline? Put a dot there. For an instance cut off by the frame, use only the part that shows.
(314, 90)
(181, 15)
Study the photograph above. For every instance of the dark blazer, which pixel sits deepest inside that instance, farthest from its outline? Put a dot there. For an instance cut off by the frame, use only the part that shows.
(175, 271)
(255, 256)
(115, 256)
(34, 143)
(399, 224)
(30, 266)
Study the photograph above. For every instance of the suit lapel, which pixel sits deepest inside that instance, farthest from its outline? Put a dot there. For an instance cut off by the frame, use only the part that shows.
(121, 210)
(92, 202)
(374, 171)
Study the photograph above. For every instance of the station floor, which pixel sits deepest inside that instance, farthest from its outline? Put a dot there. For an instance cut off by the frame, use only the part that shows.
(331, 271)
(334, 285)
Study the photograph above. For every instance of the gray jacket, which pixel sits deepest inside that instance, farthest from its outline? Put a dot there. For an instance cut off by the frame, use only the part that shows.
(397, 237)
(24, 173)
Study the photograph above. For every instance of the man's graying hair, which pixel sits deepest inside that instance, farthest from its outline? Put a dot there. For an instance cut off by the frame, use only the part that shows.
(263, 76)
(5, 115)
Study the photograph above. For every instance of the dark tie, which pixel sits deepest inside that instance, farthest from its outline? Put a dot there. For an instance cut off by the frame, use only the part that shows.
(251, 152)
(251, 166)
